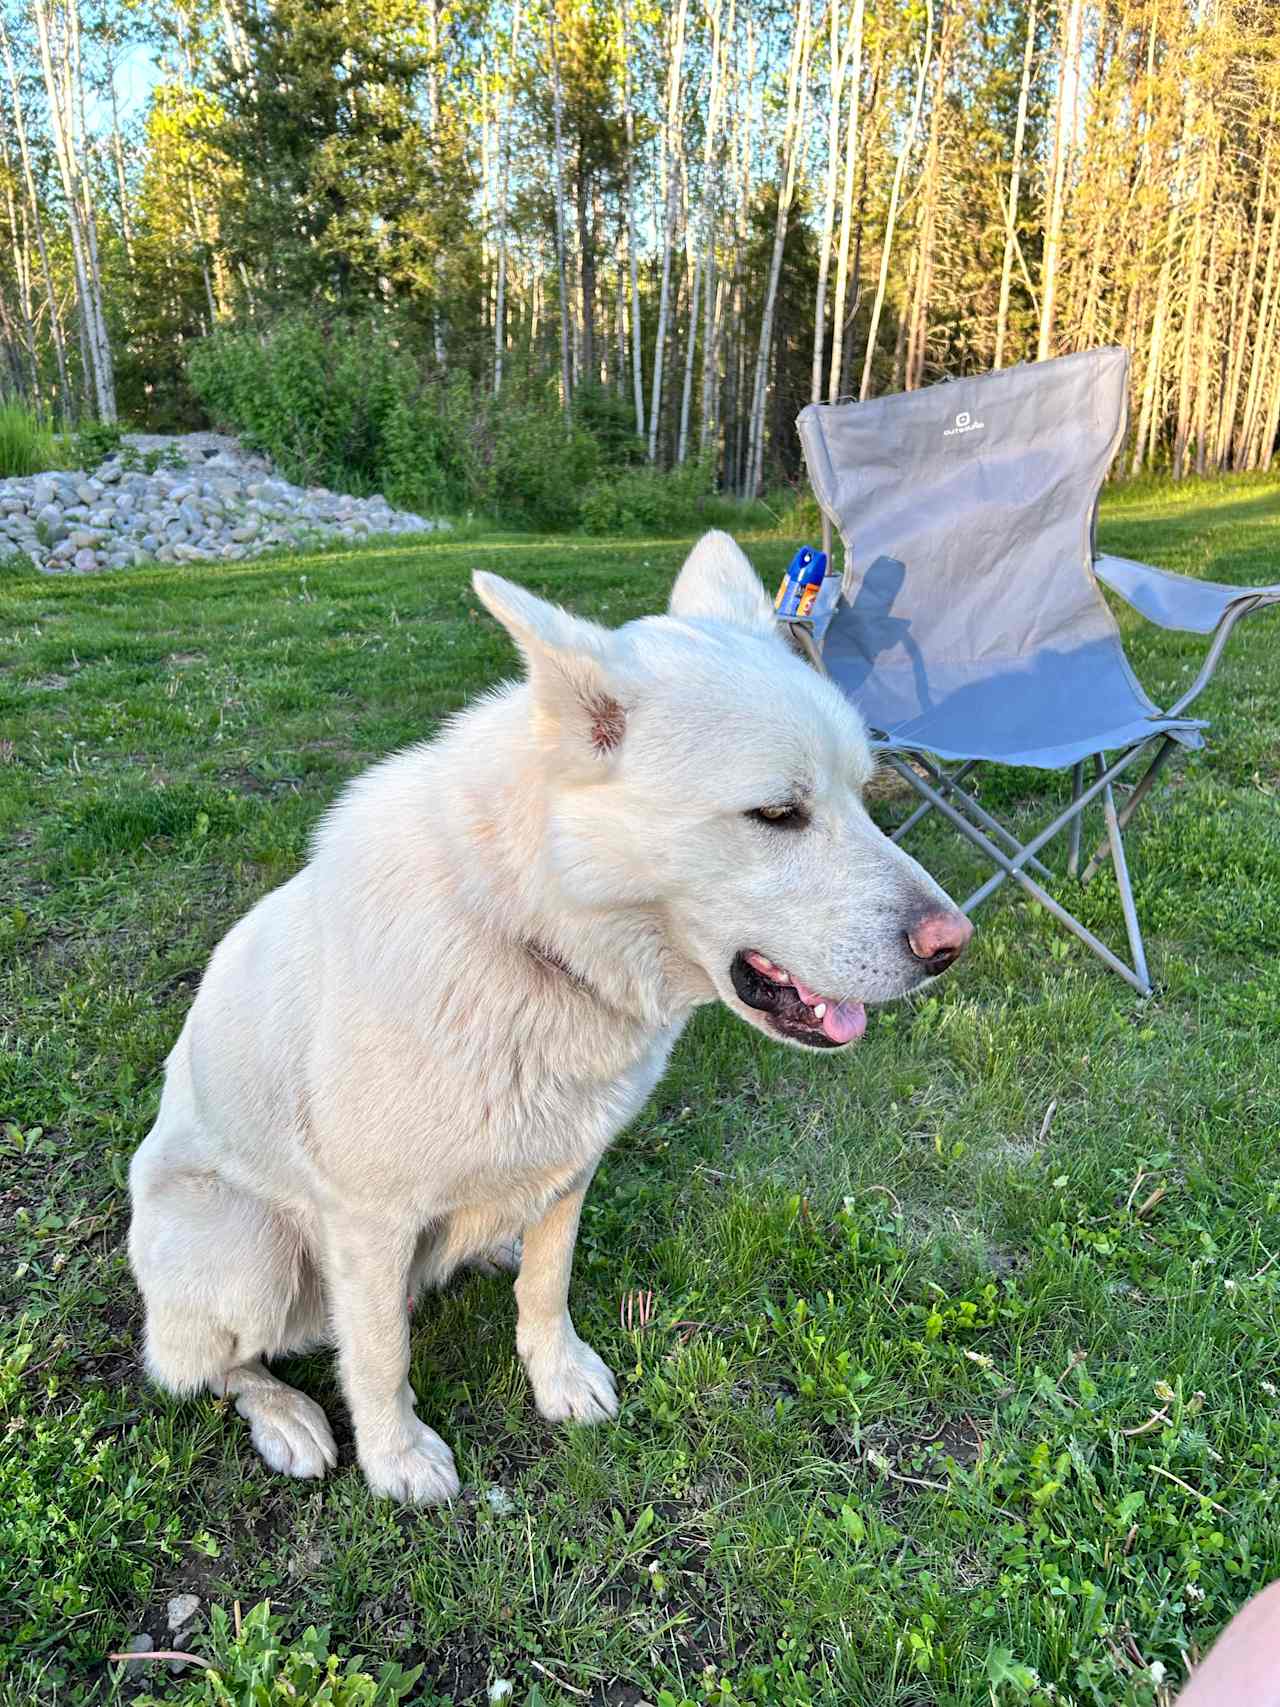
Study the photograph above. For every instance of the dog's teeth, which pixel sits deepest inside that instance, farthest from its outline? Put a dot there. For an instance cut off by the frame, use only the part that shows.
(819, 1010)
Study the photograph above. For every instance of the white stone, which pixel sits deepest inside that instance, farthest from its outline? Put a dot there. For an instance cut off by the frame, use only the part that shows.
(182, 1609)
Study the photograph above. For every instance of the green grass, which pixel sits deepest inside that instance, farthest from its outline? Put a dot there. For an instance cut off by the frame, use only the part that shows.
(963, 1369)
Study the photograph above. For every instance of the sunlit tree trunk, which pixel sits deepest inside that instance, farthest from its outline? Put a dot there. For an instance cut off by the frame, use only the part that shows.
(669, 179)
(852, 78)
(504, 191)
(703, 266)
(566, 358)
(1015, 187)
(637, 351)
(789, 155)
(59, 88)
(904, 153)
(1063, 137)
(1262, 352)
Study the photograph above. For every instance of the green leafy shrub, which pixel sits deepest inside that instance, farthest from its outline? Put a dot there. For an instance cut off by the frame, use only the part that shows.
(258, 1668)
(350, 406)
(26, 442)
(135, 461)
(538, 470)
(645, 500)
(93, 442)
(359, 406)
(611, 422)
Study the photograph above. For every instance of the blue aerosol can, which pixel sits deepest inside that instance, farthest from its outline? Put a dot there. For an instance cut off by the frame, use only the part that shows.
(800, 584)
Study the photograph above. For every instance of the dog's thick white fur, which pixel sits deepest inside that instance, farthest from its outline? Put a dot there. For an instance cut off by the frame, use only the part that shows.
(414, 1053)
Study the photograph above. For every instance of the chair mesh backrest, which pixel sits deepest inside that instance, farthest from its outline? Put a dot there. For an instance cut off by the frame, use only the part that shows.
(967, 508)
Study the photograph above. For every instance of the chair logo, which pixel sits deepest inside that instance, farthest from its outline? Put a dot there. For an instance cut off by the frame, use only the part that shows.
(965, 423)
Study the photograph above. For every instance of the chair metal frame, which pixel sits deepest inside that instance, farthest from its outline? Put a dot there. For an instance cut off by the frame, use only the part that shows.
(941, 791)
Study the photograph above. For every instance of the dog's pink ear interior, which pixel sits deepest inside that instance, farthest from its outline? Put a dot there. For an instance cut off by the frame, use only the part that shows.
(571, 672)
(719, 583)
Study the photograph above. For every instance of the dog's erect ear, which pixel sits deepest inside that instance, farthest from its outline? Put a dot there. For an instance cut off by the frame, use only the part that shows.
(571, 665)
(718, 582)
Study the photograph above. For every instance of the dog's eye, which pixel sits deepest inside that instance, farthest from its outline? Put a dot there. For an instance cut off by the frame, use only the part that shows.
(781, 817)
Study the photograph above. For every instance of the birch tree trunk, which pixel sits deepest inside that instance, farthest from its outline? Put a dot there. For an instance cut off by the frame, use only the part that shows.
(1261, 350)
(908, 143)
(1231, 400)
(1063, 137)
(711, 283)
(66, 401)
(788, 159)
(669, 178)
(705, 237)
(853, 77)
(122, 191)
(566, 367)
(738, 363)
(1207, 340)
(1015, 187)
(637, 351)
(1187, 368)
(22, 278)
(76, 191)
(1148, 413)
(838, 54)
(919, 317)
(504, 191)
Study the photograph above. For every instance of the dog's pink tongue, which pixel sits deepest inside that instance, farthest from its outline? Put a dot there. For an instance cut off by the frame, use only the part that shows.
(845, 1021)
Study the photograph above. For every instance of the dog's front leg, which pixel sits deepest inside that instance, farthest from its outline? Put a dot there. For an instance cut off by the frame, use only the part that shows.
(367, 1268)
(571, 1383)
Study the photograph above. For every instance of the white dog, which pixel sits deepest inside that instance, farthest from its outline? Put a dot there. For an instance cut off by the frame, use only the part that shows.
(414, 1053)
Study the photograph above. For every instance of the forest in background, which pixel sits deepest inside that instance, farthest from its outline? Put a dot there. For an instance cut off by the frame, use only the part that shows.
(670, 221)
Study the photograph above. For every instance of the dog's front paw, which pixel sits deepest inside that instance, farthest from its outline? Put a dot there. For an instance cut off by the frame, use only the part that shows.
(420, 1473)
(572, 1383)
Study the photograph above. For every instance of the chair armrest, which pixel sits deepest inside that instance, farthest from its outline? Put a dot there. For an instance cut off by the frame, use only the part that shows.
(1176, 601)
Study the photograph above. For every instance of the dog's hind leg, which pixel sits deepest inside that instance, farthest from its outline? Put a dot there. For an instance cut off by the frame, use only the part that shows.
(290, 1431)
(226, 1281)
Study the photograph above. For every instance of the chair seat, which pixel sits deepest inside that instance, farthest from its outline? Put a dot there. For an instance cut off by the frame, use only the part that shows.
(1048, 710)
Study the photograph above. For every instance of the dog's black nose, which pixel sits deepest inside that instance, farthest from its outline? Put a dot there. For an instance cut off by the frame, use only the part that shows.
(939, 938)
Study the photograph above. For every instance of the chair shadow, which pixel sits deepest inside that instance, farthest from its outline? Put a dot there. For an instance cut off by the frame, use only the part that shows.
(878, 631)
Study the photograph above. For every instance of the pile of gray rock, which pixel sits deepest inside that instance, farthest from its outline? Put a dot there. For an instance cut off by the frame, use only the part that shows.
(207, 500)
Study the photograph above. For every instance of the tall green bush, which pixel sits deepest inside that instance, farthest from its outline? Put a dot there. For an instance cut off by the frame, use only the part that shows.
(645, 500)
(342, 405)
(359, 406)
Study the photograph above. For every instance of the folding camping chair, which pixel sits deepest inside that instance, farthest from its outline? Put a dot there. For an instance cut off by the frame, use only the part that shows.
(971, 628)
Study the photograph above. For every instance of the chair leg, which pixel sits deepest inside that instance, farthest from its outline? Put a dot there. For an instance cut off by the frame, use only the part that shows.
(1102, 852)
(1073, 854)
(1008, 868)
(1136, 976)
(1120, 862)
(947, 783)
(924, 809)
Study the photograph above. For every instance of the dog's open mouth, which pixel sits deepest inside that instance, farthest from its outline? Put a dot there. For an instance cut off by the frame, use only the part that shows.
(791, 1008)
